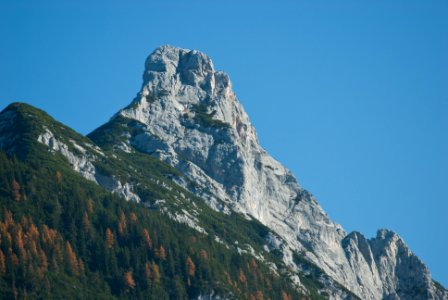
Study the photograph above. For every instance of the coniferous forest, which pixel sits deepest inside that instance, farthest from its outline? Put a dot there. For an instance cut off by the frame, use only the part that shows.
(64, 237)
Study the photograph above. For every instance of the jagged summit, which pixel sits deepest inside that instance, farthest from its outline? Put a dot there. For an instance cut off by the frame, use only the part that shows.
(178, 60)
(187, 116)
(385, 233)
(190, 67)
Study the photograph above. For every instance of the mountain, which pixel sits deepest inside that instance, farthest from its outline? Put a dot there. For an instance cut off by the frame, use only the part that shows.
(185, 153)
(189, 117)
(65, 236)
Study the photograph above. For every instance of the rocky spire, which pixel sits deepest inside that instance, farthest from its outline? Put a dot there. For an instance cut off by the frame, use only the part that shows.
(189, 117)
(189, 67)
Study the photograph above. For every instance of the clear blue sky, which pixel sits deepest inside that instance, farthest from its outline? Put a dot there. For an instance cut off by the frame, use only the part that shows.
(352, 97)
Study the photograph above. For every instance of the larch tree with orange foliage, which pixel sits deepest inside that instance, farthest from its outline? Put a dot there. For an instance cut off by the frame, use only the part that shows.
(58, 177)
(122, 225)
(155, 272)
(43, 263)
(286, 296)
(147, 239)
(152, 273)
(71, 260)
(259, 295)
(109, 238)
(161, 253)
(85, 222)
(191, 268)
(129, 280)
(33, 232)
(2, 263)
(19, 242)
(148, 273)
(133, 217)
(241, 277)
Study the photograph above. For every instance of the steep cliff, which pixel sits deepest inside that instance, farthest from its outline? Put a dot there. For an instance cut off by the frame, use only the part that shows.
(188, 116)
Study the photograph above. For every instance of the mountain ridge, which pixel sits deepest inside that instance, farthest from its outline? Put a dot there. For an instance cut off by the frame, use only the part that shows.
(187, 116)
(178, 78)
(178, 207)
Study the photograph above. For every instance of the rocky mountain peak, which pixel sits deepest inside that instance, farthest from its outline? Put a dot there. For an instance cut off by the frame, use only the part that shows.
(181, 89)
(188, 67)
(178, 60)
(386, 234)
(178, 56)
(187, 115)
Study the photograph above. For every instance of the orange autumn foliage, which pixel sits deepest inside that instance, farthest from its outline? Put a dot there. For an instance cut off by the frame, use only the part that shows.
(155, 272)
(90, 205)
(160, 253)
(152, 273)
(242, 278)
(58, 177)
(72, 261)
(133, 217)
(85, 222)
(191, 268)
(109, 238)
(147, 238)
(129, 280)
(35, 251)
(2, 263)
(122, 226)
(286, 296)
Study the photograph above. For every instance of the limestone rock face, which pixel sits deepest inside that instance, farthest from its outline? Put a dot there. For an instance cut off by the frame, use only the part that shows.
(189, 117)
(385, 266)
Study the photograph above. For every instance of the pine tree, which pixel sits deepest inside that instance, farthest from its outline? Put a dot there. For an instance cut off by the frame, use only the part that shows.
(90, 206)
(14, 258)
(80, 266)
(8, 218)
(15, 187)
(203, 254)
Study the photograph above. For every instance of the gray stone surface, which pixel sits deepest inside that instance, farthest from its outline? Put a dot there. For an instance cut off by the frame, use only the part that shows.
(192, 120)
